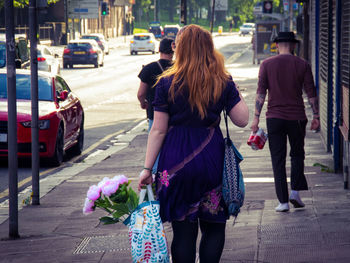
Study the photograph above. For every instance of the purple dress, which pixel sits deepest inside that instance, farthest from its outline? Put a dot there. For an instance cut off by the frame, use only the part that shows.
(189, 174)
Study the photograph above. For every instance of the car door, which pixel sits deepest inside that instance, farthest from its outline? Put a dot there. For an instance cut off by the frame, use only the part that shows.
(66, 109)
(75, 110)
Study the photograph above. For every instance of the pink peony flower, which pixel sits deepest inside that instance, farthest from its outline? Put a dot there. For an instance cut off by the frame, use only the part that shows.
(110, 187)
(88, 206)
(121, 179)
(104, 180)
(93, 193)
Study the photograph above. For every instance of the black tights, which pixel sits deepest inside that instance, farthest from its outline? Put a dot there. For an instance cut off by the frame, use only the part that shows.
(183, 247)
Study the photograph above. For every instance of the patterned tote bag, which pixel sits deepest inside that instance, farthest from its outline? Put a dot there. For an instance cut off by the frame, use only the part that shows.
(233, 189)
(146, 233)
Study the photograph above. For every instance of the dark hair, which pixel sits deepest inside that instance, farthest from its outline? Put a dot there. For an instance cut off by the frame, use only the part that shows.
(165, 46)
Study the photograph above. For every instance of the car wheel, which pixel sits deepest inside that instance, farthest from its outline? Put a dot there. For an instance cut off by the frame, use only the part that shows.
(71, 65)
(65, 65)
(57, 158)
(135, 52)
(131, 53)
(77, 149)
(153, 52)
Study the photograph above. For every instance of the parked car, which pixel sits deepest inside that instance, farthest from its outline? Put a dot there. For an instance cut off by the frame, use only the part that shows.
(246, 28)
(47, 61)
(144, 42)
(82, 51)
(171, 31)
(61, 117)
(22, 59)
(100, 39)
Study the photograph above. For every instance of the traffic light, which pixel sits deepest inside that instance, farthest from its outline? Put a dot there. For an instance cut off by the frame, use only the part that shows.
(267, 7)
(104, 8)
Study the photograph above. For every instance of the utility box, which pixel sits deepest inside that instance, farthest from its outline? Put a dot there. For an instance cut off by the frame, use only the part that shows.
(265, 33)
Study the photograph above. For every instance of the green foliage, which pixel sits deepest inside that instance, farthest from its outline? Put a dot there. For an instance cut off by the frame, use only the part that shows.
(324, 168)
(24, 3)
(119, 205)
(240, 11)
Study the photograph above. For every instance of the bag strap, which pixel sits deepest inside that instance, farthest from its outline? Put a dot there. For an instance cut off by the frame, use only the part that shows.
(149, 192)
(226, 124)
(160, 65)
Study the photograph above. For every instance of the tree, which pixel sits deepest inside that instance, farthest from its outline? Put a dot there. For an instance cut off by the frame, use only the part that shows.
(24, 3)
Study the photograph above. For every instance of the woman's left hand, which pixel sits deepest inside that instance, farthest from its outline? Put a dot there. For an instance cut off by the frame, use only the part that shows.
(145, 178)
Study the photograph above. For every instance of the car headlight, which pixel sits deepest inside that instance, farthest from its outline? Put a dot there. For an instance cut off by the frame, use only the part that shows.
(43, 124)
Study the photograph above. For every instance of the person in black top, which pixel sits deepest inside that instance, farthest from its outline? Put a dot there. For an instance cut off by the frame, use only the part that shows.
(148, 76)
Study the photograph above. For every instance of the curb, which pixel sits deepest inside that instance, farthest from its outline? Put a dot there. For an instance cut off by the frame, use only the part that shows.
(50, 182)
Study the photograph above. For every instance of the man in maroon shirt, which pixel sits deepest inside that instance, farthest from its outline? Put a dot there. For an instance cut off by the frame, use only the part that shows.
(284, 77)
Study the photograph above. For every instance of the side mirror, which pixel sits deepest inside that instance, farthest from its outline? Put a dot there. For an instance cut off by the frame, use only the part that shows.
(63, 95)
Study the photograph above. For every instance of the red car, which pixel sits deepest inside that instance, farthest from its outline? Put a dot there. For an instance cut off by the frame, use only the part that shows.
(61, 117)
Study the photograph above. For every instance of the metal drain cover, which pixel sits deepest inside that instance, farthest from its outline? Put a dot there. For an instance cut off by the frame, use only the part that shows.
(100, 244)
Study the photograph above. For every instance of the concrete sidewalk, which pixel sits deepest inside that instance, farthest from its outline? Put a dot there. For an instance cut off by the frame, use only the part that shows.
(57, 230)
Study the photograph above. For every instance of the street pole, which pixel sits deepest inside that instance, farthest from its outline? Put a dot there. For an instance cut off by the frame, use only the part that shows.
(291, 15)
(155, 10)
(34, 100)
(212, 17)
(12, 120)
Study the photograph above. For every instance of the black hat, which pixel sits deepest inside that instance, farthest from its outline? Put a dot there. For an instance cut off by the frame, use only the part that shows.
(165, 46)
(286, 37)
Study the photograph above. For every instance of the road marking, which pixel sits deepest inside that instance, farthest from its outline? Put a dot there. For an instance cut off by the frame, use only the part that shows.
(91, 148)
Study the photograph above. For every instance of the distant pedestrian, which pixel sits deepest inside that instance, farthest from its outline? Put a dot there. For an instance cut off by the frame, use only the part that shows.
(190, 97)
(231, 25)
(282, 78)
(148, 76)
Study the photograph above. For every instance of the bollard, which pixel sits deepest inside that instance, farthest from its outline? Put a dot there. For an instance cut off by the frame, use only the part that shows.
(220, 29)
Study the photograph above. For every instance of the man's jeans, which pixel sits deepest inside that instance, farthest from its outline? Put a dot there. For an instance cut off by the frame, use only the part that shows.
(278, 130)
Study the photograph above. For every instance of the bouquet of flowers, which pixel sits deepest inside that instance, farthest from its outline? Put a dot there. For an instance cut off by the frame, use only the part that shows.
(115, 196)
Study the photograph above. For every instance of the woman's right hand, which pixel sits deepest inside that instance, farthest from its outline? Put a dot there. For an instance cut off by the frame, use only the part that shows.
(145, 178)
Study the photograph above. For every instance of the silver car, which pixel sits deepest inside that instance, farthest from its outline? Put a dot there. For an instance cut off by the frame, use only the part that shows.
(144, 42)
(47, 60)
(247, 28)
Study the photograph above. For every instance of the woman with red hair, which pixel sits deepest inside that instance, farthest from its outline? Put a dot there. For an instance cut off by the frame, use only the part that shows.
(190, 97)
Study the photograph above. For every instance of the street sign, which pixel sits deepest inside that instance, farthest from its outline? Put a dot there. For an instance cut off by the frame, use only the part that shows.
(220, 5)
(82, 8)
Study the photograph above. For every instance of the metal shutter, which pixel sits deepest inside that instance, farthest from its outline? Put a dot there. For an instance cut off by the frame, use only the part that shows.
(325, 69)
(345, 67)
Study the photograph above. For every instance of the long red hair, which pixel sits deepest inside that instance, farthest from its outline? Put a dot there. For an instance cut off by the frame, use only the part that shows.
(198, 67)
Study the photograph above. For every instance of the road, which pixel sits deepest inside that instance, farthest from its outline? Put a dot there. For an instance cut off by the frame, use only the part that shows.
(108, 95)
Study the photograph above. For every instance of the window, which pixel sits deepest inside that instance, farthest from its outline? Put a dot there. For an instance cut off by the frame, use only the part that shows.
(142, 37)
(23, 90)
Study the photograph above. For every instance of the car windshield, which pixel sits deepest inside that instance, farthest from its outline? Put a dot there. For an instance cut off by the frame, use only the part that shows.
(2, 55)
(248, 26)
(142, 37)
(77, 45)
(171, 30)
(90, 37)
(155, 30)
(23, 87)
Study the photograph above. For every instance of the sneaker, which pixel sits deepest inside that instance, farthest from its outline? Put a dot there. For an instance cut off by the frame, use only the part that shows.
(296, 201)
(282, 207)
